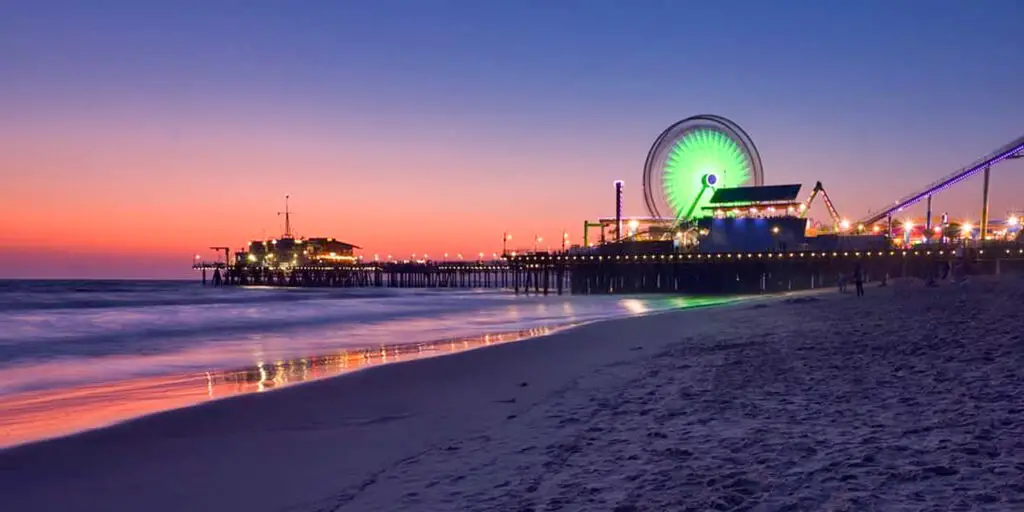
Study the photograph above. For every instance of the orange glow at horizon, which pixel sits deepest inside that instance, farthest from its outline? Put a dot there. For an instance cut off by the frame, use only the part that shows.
(142, 192)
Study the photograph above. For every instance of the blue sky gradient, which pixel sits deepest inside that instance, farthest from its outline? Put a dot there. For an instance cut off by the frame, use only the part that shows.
(549, 101)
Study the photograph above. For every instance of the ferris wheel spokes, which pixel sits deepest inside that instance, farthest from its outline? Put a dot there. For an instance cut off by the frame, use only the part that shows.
(693, 156)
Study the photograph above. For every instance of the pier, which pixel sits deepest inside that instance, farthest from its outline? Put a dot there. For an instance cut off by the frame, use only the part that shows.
(711, 229)
(685, 273)
(769, 272)
(495, 274)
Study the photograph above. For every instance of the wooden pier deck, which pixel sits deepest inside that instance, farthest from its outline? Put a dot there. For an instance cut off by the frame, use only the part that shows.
(691, 273)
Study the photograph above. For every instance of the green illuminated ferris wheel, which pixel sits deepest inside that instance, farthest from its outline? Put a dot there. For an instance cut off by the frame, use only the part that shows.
(693, 158)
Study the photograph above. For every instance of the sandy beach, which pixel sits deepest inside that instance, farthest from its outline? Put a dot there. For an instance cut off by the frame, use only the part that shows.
(909, 399)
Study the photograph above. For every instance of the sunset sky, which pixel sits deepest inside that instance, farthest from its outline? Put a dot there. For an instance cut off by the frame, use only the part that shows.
(134, 134)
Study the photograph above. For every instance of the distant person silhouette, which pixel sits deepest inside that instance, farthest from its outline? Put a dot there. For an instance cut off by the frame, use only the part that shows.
(858, 279)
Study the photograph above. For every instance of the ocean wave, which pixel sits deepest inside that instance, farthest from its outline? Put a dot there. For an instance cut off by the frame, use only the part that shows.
(27, 295)
(92, 331)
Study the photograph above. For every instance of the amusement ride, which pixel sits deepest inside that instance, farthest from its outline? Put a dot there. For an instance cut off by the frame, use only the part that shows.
(693, 158)
(706, 167)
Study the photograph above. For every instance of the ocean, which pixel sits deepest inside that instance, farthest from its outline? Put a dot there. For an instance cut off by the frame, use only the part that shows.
(81, 354)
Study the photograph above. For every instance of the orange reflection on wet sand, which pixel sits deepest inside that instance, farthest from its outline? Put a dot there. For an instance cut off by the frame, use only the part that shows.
(36, 415)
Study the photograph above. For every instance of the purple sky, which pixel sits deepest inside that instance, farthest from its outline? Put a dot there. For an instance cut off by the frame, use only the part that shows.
(143, 132)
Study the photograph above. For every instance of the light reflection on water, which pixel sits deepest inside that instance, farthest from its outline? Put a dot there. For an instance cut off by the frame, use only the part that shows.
(77, 376)
(634, 306)
(36, 415)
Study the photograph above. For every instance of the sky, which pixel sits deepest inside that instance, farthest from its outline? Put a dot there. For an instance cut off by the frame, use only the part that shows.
(134, 135)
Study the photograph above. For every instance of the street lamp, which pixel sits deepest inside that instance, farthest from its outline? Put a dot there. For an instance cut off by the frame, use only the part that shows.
(504, 242)
(536, 240)
(565, 239)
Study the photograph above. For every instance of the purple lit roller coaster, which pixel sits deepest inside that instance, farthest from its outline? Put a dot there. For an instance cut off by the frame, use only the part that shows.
(1014, 149)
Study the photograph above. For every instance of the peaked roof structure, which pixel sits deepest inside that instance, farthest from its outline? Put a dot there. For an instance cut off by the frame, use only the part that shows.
(766, 194)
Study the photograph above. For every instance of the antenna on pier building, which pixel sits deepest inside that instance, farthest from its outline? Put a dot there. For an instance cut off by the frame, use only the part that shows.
(287, 219)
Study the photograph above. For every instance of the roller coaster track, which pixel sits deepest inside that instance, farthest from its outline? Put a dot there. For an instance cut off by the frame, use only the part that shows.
(1014, 149)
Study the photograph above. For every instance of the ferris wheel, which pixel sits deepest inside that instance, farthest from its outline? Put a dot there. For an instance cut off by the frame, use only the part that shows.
(693, 158)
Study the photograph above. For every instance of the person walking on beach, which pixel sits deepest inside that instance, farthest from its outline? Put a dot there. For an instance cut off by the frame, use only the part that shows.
(858, 279)
(960, 273)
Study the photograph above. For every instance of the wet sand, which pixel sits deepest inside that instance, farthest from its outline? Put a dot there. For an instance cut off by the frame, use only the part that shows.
(910, 398)
(48, 413)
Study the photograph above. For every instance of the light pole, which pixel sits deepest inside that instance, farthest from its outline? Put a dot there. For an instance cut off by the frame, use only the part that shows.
(618, 210)
(565, 238)
(504, 242)
(536, 240)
